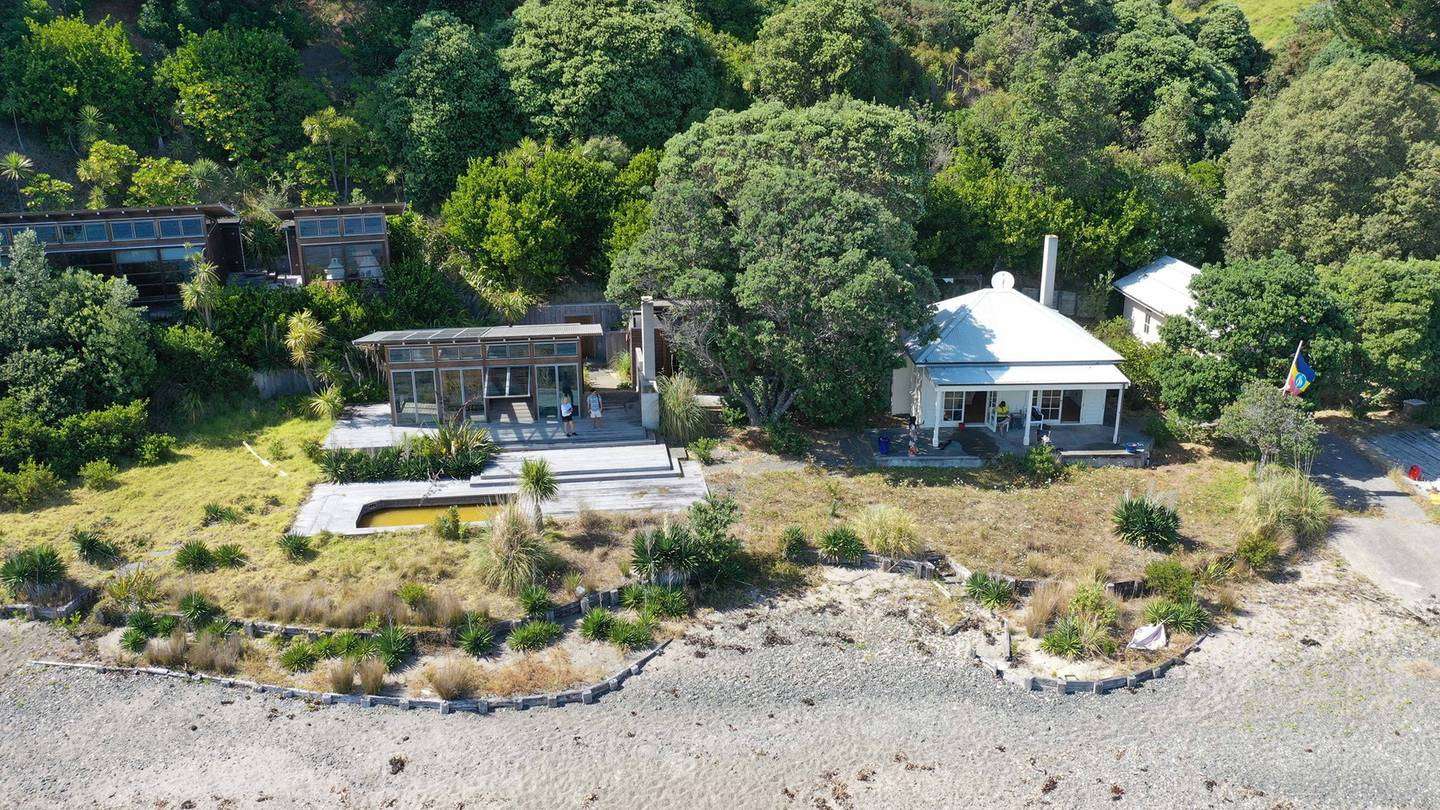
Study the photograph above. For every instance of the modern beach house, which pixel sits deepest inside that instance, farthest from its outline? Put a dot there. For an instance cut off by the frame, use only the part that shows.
(999, 346)
(483, 373)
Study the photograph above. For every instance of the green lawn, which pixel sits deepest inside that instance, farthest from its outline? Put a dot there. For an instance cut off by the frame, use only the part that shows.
(1270, 20)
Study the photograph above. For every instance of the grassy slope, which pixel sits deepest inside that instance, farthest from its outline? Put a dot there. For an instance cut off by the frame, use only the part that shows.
(1270, 20)
(154, 509)
(1062, 530)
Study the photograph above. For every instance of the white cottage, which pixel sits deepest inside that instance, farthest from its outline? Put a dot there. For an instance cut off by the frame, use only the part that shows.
(1159, 290)
(998, 345)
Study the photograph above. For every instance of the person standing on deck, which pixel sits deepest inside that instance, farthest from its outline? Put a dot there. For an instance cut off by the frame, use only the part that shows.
(596, 408)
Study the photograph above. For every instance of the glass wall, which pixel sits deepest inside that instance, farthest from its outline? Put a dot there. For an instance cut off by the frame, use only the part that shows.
(413, 393)
(462, 393)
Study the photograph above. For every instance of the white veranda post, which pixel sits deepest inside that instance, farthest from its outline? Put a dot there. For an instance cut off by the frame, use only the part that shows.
(939, 414)
(1119, 400)
(1029, 409)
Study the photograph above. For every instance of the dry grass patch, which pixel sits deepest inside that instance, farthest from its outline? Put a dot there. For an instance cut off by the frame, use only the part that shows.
(167, 652)
(336, 675)
(984, 520)
(212, 653)
(1046, 604)
(371, 672)
(452, 678)
(549, 671)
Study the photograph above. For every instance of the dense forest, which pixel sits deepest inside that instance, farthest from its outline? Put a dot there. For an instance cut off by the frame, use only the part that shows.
(809, 169)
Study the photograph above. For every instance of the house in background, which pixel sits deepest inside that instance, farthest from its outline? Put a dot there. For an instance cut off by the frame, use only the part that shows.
(338, 242)
(152, 248)
(1159, 290)
(998, 345)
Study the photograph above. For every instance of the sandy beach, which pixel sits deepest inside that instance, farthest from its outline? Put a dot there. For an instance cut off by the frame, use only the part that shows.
(847, 696)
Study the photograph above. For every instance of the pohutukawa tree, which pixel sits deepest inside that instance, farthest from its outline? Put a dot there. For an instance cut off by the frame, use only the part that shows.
(785, 237)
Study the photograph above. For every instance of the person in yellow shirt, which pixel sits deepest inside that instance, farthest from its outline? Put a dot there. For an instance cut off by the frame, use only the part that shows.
(1002, 417)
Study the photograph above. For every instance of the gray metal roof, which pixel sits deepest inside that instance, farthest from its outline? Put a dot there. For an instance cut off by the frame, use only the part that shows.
(475, 333)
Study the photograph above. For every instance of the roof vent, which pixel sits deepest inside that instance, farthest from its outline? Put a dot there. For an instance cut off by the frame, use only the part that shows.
(1002, 281)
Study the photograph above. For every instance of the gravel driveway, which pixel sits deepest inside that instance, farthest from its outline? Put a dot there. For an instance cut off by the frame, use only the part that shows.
(1390, 540)
(846, 697)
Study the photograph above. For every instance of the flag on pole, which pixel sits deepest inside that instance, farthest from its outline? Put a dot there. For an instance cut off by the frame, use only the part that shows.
(1301, 375)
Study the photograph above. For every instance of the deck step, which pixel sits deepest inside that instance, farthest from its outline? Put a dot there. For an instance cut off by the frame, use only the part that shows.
(571, 463)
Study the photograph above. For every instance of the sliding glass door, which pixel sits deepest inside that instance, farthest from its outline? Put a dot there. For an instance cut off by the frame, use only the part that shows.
(413, 395)
(552, 384)
(462, 394)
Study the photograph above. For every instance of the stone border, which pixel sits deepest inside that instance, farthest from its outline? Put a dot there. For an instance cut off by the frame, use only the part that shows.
(1121, 589)
(1001, 667)
(1037, 683)
(33, 612)
(585, 694)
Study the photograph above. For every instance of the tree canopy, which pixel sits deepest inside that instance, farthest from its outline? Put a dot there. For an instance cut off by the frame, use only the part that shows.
(1395, 308)
(62, 66)
(634, 69)
(70, 341)
(1249, 316)
(813, 49)
(786, 235)
(446, 101)
(240, 91)
(1347, 158)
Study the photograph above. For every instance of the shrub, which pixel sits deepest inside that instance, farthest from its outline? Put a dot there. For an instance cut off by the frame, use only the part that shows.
(1288, 499)
(33, 571)
(682, 420)
(632, 596)
(413, 594)
(1185, 615)
(667, 554)
(310, 449)
(1214, 571)
(230, 555)
(338, 675)
(840, 544)
(137, 590)
(167, 652)
(717, 552)
(1048, 601)
(1095, 638)
(393, 645)
(992, 593)
(784, 439)
(534, 635)
(1170, 578)
(134, 640)
(454, 452)
(452, 678)
(703, 449)
(371, 672)
(535, 600)
(635, 635)
(92, 548)
(1090, 600)
(299, 656)
(1259, 550)
(1064, 638)
(214, 513)
(344, 644)
(475, 634)
(1041, 465)
(794, 546)
(276, 449)
(157, 448)
(672, 603)
(99, 475)
(595, 624)
(514, 554)
(194, 557)
(296, 547)
(197, 610)
(448, 525)
(216, 653)
(889, 531)
(1147, 522)
(29, 486)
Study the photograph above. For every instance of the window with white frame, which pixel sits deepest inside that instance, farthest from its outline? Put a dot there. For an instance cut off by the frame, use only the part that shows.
(1048, 404)
(953, 406)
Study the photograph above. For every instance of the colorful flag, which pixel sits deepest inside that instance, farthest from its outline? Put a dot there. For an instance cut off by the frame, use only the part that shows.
(1300, 376)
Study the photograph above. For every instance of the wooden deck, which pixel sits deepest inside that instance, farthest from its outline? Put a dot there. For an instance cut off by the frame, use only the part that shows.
(1409, 447)
(367, 427)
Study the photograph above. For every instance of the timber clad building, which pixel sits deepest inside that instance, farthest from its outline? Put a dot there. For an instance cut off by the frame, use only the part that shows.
(483, 373)
(152, 248)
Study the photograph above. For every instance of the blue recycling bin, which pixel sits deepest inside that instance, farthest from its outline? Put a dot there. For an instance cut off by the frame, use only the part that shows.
(884, 443)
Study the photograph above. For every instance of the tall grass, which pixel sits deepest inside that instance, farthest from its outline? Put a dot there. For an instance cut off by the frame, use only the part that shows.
(453, 677)
(1046, 603)
(889, 531)
(514, 554)
(1288, 498)
(682, 420)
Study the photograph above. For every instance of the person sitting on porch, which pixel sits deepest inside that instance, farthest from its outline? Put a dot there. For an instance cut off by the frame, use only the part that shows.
(1002, 417)
(595, 407)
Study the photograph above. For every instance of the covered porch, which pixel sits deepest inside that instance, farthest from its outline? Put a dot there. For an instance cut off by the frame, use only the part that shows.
(1020, 401)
